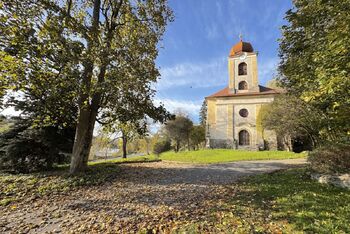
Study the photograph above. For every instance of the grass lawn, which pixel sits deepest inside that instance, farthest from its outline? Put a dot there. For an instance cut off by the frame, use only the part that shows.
(286, 201)
(138, 159)
(226, 155)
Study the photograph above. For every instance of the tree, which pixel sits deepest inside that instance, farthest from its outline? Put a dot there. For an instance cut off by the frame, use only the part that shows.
(179, 130)
(203, 114)
(291, 117)
(93, 58)
(161, 146)
(197, 136)
(315, 61)
(27, 149)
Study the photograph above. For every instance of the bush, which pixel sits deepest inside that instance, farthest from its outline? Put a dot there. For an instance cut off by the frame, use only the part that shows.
(330, 159)
(161, 146)
(24, 149)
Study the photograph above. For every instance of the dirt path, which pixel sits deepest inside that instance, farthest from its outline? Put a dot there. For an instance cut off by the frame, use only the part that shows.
(144, 196)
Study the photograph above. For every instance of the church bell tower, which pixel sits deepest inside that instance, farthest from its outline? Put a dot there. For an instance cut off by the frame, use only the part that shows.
(243, 68)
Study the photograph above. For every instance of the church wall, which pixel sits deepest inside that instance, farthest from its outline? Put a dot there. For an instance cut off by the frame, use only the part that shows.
(225, 122)
(221, 122)
(248, 123)
(211, 111)
(230, 123)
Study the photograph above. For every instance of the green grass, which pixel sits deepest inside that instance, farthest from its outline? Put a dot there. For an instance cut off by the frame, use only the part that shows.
(226, 155)
(138, 159)
(291, 200)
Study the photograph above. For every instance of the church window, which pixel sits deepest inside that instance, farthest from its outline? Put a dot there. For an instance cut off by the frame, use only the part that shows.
(243, 137)
(242, 85)
(243, 112)
(242, 69)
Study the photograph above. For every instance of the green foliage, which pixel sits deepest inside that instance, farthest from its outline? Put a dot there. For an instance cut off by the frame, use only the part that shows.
(315, 59)
(227, 155)
(203, 114)
(161, 146)
(179, 131)
(197, 136)
(26, 149)
(330, 159)
(82, 58)
(292, 117)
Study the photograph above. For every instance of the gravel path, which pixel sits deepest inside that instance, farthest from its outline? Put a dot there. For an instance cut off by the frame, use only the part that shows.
(224, 173)
(144, 196)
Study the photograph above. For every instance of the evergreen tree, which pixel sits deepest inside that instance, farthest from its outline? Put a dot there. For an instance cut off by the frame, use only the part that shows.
(203, 114)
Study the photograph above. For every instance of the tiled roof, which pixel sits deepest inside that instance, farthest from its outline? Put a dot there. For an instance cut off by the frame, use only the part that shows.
(262, 91)
(240, 47)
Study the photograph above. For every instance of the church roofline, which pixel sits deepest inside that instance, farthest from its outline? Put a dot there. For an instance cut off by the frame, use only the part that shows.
(225, 92)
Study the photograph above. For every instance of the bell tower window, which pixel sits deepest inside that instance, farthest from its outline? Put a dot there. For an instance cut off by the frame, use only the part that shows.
(242, 85)
(242, 69)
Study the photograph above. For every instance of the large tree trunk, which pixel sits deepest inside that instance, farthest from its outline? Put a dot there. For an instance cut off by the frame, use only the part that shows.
(124, 145)
(87, 110)
(147, 146)
(177, 146)
(83, 140)
(188, 144)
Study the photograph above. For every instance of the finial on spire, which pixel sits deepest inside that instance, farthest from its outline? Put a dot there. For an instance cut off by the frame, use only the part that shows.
(240, 36)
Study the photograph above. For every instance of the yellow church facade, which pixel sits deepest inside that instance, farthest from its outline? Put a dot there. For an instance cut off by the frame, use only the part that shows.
(232, 113)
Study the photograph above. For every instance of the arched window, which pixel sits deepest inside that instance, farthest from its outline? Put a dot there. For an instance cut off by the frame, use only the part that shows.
(243, 137)
(242, 85)
(242, 69)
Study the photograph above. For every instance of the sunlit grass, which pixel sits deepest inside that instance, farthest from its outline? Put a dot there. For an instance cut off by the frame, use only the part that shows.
(290, 198)
(138, 159)
(226, 155)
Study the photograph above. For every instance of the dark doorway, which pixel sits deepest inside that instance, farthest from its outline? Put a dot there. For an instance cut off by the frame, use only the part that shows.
(243, 137)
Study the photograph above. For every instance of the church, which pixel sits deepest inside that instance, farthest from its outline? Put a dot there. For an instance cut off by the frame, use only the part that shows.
(233, 112)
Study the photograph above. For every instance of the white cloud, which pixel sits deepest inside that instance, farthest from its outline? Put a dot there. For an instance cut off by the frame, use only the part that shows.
(197, 75)
(190, 107)
(211, 74)
(212, 31)
(267, 69)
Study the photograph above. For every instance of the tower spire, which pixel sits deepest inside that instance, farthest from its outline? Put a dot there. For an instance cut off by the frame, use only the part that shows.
(240, 36)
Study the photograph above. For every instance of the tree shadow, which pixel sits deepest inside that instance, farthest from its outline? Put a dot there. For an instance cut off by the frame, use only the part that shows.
(293, 197)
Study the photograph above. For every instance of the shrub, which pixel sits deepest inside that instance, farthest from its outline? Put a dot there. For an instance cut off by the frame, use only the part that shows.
(330, 159)
(161, 146)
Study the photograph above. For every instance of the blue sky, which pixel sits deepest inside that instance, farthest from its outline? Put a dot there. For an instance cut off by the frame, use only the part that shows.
(193, 57)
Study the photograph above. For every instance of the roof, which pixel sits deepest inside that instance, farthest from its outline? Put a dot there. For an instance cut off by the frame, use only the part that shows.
(262, 91)
(240, 47)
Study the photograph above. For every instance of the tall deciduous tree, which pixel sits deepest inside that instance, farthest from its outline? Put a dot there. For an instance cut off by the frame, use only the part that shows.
(92, 57)
(179, 131)
(315, 58)
(197, 136)
(292, 117)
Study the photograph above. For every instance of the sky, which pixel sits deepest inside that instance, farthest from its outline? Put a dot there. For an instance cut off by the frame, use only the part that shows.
(194, 50)
(193, 53)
